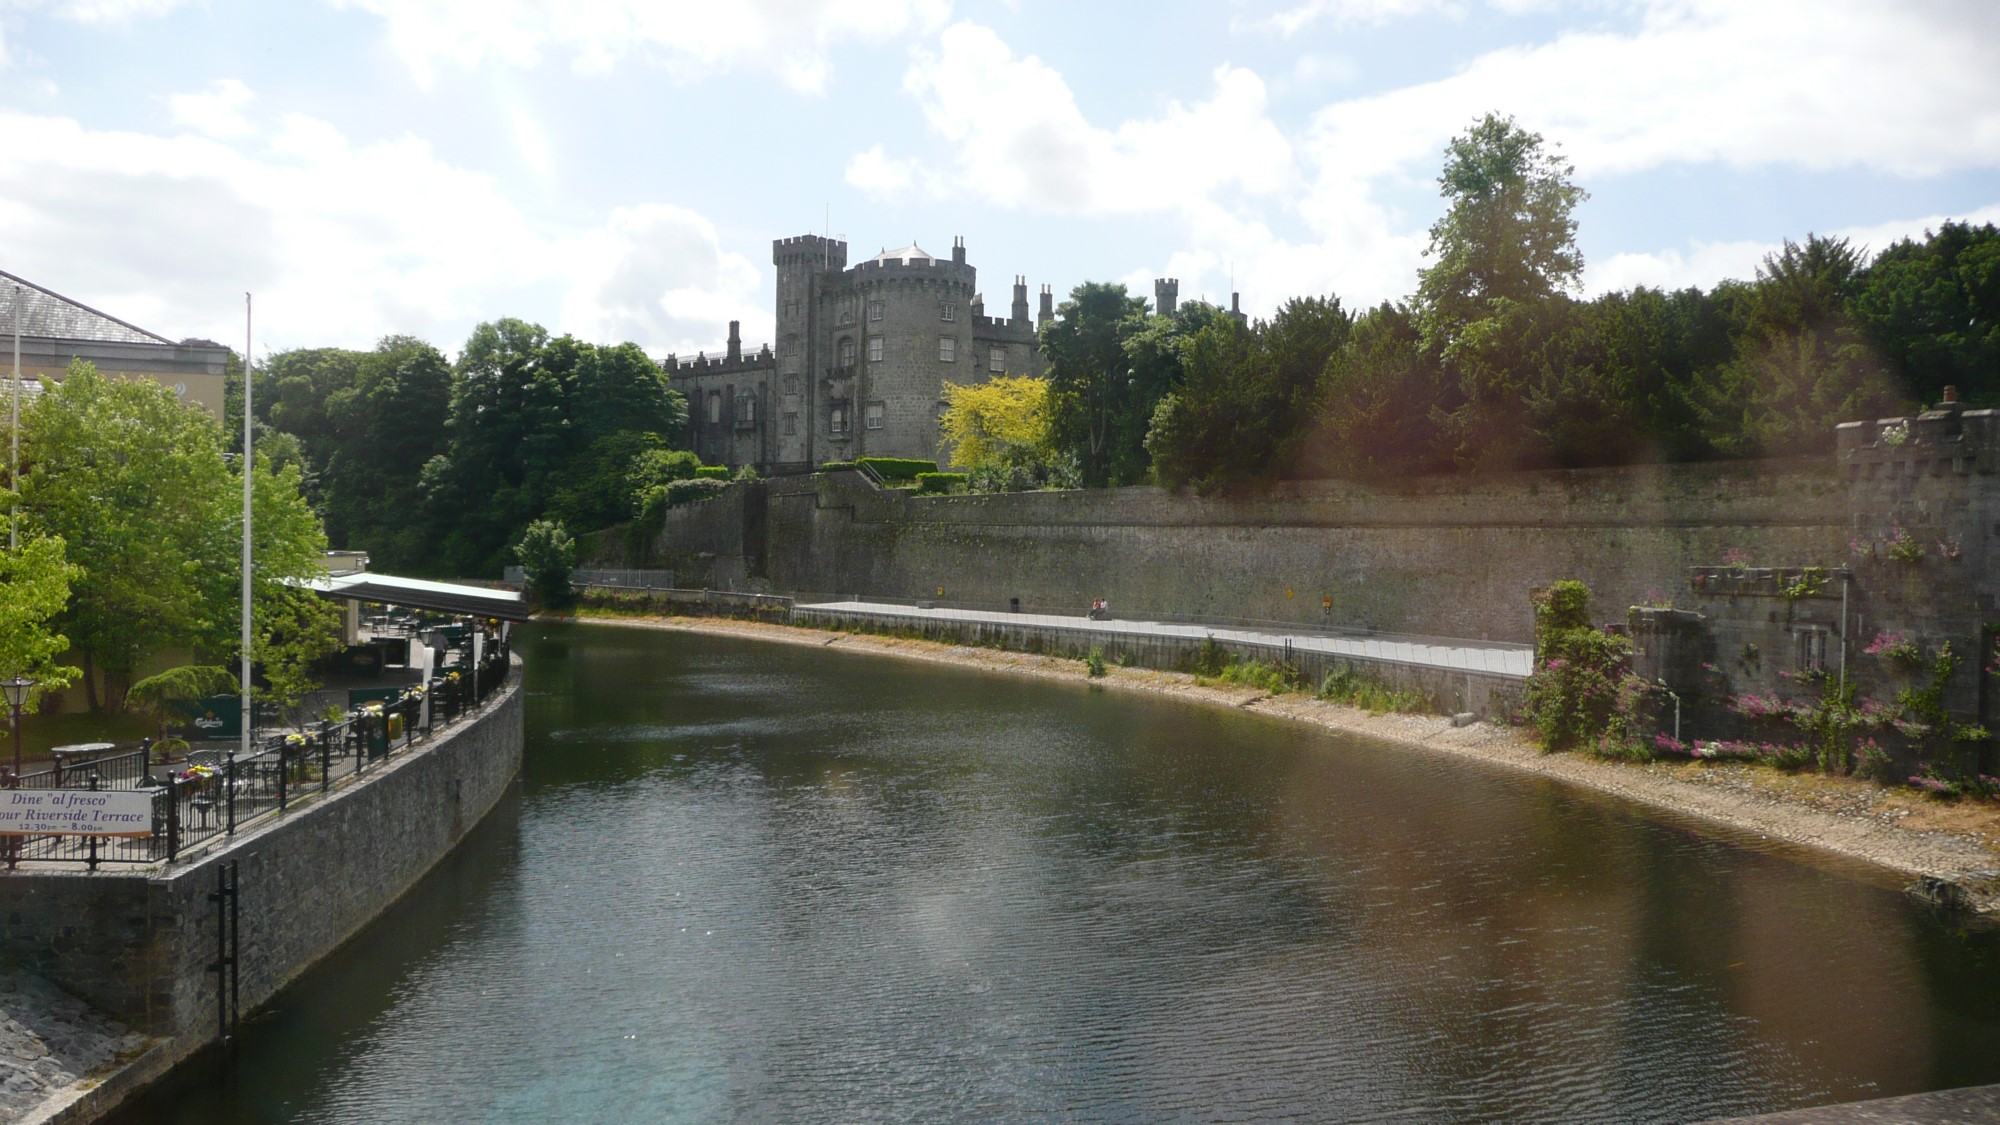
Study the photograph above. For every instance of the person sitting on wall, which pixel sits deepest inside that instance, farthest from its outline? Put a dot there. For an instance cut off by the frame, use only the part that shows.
(1100, 610)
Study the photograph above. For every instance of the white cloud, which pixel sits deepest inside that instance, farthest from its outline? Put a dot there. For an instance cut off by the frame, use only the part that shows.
(342, 242)
(688, 39)
(216, 111)
(1706, 263)
(658, 274)
(1345, 13)
(1019, 139)
(881, 175)
(115, 11)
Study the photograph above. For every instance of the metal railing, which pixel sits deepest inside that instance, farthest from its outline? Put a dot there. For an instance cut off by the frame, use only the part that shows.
(214, 793)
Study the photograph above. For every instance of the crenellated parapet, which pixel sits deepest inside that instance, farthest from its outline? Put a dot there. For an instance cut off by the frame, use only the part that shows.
(704, 364)
(1947, 438)
(924, 270)
(810, 250)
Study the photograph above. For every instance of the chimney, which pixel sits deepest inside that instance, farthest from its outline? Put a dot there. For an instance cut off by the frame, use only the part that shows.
(735, 340)
(979, 304)
(1020, 314)
(1166, 295)
(1048, 310)
(1950, 395)
(958, 250)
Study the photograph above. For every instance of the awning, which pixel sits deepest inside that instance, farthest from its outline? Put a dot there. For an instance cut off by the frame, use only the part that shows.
(416, 593)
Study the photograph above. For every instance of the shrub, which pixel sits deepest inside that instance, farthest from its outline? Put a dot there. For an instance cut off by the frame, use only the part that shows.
(836, 466)
(1573, 695)
(747, 472)
(547, 554)
(712, 472)
(940, 482)
(1346, 686)
(691, 491)
(1093, 663)
(898, 468)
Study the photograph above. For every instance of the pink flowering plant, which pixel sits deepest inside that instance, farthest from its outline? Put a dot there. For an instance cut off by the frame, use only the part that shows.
(1574, 695)
(1896, 648)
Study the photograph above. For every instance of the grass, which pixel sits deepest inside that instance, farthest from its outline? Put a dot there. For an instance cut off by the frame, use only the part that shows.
(1345, 686)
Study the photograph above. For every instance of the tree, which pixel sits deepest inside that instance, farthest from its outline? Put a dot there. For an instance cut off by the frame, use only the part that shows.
(385, 426)
(547, 555)
(1508, 234)
(1002, 420)
(34, 588)
(1094, 414)
(134, 483)
(1931, 310)
(1382, 400)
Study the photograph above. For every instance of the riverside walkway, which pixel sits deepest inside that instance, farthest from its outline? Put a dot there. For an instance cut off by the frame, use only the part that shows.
(1492, 658)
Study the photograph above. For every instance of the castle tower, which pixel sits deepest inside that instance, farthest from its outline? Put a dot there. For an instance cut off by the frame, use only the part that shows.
(1166, 295)
(735, 341)
(1020, 313)
(806, 266)
(1048, 310)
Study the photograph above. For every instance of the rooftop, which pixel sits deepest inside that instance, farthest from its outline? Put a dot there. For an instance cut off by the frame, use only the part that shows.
(50, 315)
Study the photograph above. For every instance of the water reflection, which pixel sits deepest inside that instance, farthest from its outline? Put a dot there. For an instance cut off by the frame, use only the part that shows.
(764, 883)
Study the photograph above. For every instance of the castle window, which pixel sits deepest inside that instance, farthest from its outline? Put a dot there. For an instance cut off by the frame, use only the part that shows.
(714, 407)
(847, 311)
(746, 408)
(836, 419)
(875, 411)
(874, 349)
(874, 310)
(946, 311)
(791, 424)
(1809, 649)
(947, 348)
(996, 360)
(847, 351)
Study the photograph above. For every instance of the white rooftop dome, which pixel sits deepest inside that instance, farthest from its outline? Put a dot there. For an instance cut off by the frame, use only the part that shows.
(910, 253)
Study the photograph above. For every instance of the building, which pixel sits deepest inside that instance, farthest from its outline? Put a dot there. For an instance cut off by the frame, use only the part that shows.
(55, 330)
(860, 360)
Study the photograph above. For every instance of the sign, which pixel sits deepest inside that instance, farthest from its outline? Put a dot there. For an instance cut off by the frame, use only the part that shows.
(218, 716)
(75, 812)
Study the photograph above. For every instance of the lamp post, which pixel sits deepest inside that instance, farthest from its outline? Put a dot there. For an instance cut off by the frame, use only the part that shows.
(17, 697)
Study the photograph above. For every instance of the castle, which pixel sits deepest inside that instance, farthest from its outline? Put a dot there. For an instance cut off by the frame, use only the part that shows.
(861, 357)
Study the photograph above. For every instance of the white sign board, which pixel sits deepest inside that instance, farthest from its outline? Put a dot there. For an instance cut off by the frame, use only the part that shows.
(75, 812)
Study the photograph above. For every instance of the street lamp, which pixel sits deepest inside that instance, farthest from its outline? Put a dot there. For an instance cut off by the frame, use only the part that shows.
(17, 697)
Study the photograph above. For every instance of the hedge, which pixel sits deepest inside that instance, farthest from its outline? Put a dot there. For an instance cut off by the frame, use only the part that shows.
(836, 466)
(898, 468)
(713, 472)
(940, 482)
(689, 491)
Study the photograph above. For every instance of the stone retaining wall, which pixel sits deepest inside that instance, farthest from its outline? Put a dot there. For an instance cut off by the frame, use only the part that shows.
(136, 944)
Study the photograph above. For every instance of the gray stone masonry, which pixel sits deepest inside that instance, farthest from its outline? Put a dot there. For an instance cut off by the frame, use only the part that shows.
(50, 1040)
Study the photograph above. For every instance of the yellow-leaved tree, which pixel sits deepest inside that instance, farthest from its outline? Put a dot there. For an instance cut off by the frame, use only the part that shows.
(1000, 421)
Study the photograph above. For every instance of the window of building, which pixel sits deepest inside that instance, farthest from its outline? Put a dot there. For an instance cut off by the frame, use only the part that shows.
(836, 419)
(996, 360)
(847, 351)
(874, 349)
(875, 412)
(1809, 649)
(874, 310)
(947, 311)
(847, 311)
(746, 408)
(714, 407)
(791, 424)
(947, 348)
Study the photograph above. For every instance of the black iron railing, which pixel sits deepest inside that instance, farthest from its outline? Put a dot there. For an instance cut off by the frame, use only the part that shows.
(214, 793)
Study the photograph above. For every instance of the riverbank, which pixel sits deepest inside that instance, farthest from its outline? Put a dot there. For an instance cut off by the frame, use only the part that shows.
(1916, 837)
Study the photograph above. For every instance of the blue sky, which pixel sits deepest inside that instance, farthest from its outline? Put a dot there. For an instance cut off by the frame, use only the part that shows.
(618, 168)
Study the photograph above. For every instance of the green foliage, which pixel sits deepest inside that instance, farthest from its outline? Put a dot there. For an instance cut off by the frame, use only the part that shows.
(1024, 473)
(547, 555)
(898, 468)
(1098, 415)
(1247, 398)
(1573, 696)
(692, 491)
(1508, 235)
(155, 695)
(1274, 678)
(1810, 583)
(997, 422)
(711, 472)
(34, 590)
(1350, 688)
(747, 473)
(134, 484)
(1210, 658)
(938, 483)
(837, 467)
(1093, 663)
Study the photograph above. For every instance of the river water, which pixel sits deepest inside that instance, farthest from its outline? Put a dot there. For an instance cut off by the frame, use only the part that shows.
(764, 883)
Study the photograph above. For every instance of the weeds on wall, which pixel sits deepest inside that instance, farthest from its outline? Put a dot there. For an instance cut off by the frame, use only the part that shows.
(1576, 697)
(1346, 686)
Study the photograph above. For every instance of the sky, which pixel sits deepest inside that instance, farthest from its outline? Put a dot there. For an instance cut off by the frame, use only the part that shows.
(617, 169)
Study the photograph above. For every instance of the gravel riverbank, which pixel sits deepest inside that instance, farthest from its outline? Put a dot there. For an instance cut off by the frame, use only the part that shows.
(1950, 845)
(53, 1047)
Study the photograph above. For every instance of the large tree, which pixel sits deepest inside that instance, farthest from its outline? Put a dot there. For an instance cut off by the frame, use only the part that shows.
(1096, 414)
(135, 484)
(35, 580)
(386, 425)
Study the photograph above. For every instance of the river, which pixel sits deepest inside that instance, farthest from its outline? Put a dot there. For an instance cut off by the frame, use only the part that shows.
(763, 883)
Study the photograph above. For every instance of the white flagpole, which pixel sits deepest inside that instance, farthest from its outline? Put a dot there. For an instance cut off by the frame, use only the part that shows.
(14, 434)
(248, 470)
